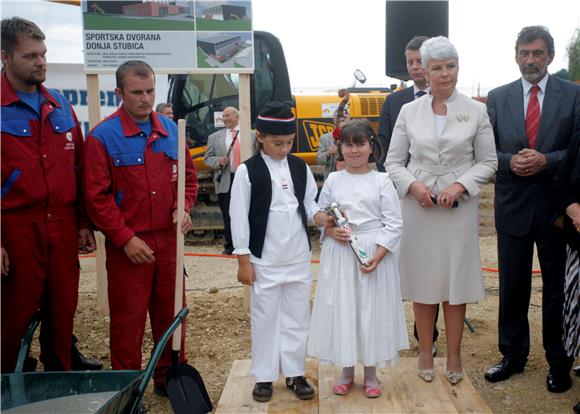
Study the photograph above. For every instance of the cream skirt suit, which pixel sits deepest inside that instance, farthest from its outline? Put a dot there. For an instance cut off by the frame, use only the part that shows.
(440, 258)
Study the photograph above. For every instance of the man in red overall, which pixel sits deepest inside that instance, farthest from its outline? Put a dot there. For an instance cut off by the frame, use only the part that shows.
(43, 223)
(130, 182)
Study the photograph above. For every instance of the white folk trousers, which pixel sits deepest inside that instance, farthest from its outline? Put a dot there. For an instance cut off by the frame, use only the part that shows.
(280, 315)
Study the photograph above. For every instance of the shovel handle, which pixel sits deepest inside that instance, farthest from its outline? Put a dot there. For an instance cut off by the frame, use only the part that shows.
(176, 343)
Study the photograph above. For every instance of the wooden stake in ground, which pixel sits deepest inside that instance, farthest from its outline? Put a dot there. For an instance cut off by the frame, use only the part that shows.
(94, 103)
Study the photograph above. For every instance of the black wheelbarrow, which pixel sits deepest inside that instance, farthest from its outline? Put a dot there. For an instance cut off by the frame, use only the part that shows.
(118, 392)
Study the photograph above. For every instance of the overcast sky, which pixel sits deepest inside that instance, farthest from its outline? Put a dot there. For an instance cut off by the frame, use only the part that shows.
(326, 40)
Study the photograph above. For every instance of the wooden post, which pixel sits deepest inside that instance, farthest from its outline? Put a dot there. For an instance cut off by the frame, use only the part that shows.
(178, 300)
(245, 142)
(94, 103)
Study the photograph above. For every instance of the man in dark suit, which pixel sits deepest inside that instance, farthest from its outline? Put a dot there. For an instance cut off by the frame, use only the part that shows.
(533, 120)
(390, 112)
(395, 101)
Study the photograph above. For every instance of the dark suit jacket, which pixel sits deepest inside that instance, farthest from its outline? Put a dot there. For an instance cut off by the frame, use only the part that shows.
(519, 199)
(389, 114)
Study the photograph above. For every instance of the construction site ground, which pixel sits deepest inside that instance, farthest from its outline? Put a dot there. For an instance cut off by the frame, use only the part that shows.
(218, 329)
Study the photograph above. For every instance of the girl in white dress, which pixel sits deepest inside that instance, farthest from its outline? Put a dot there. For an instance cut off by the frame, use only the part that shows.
(358, 313)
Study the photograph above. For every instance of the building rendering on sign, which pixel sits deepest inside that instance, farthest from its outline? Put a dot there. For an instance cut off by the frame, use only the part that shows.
(152, 9)
(225, 12)
(221, 47)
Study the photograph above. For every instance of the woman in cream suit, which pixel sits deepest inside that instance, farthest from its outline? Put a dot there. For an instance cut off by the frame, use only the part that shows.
(442, 151)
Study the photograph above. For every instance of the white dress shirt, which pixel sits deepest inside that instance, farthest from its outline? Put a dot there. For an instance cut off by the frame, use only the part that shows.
(541, 93)
(229, 138)
(286, 241)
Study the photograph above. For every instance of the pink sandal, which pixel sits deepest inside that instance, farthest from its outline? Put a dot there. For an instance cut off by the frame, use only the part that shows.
(372, 392)
(342, 389)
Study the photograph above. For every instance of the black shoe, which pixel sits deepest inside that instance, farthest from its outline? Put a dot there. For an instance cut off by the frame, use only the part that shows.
(160, 390)
(262, 391)
(577, 408)
(558, 381)
(228, 251)
(301, 387)
(81, 363)
(504, 370)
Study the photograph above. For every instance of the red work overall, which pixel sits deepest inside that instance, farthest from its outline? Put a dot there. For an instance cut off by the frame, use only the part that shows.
(40, 220)
(131, 189)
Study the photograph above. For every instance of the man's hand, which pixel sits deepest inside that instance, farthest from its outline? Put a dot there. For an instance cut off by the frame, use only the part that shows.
(332, 150)
(138, 252)
(86, 241)
(528, 162)
(186, 223)
(573, 211)
(5, 262)
(246, 275)
(224, 160)
(323, 219)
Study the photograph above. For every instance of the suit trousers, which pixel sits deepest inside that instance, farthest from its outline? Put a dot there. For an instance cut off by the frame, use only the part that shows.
(280, 319)
(224, 203)
(515, 255)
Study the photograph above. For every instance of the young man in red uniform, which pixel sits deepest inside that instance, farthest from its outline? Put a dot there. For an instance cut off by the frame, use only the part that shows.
(43, 222)
(130, 182)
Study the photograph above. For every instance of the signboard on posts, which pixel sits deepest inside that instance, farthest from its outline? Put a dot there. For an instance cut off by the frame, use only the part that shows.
(192, 36)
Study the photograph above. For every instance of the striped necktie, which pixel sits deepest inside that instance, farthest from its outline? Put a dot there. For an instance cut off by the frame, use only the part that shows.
(533, 116)
(237, 155)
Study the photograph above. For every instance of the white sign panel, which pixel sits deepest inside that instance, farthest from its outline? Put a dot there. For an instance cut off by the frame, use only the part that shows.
(210, 36)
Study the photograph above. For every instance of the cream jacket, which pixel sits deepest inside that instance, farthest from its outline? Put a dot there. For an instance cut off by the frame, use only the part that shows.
(465, 153)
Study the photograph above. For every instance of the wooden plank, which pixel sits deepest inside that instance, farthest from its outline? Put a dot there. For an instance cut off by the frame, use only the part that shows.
(415, 395)
(245, 110)
(403, 392)
(464, 396)
(237, 398)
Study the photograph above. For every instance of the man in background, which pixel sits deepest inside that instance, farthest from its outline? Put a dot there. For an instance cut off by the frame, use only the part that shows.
(165, 109)
(223, 157)
(395, 101)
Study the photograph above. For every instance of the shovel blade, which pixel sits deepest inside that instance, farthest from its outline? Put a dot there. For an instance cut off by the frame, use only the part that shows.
(187, 391)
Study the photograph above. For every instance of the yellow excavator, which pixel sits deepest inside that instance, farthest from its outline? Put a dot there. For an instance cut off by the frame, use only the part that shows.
(199, 99)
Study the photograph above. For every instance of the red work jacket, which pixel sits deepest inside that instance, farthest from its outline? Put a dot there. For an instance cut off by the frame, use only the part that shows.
(40, 157)
(130, 179)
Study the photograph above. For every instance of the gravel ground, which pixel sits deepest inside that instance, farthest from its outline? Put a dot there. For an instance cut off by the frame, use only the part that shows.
(218, 331)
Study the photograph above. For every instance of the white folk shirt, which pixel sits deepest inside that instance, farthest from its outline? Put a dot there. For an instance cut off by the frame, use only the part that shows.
(286, 241)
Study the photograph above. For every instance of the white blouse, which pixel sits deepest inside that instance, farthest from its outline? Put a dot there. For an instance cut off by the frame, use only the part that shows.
(286, 241)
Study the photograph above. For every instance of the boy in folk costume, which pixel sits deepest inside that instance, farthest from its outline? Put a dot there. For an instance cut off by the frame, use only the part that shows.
(271, 202)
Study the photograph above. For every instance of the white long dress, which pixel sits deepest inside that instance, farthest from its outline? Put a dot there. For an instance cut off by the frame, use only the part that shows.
(359, 317)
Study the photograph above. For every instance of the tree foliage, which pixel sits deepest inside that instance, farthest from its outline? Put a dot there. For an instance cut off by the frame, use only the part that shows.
(574, 56)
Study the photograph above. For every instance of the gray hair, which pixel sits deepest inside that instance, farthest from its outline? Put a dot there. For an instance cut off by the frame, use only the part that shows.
(439, 48)
(160, 107)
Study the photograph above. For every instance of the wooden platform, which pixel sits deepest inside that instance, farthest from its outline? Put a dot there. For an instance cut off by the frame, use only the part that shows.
(403, 392)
